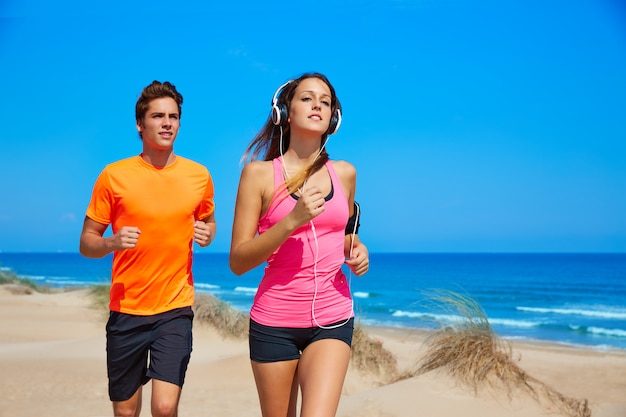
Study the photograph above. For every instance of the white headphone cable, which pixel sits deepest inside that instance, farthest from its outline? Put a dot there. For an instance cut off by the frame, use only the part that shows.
(352, 236)
(316, 242)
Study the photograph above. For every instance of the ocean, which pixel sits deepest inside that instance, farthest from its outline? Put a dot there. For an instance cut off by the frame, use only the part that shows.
(573, 299)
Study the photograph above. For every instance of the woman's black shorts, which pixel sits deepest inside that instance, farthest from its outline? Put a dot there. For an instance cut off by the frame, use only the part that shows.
(274, 344)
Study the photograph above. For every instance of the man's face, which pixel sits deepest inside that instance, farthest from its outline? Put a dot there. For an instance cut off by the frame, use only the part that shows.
(159, 126)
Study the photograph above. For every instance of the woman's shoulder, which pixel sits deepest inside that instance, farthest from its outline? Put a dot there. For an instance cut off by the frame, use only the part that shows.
(258, 168)
(343, 168)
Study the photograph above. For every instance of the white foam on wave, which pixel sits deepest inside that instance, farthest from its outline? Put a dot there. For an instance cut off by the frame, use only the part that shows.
(251, 290)
(206, 286)
(70, 283)
(411, 314)
(607, 332)
(41, 277)
(451, 318)
(361, 294)
(514, 323)
(443, 318)
(619, 315)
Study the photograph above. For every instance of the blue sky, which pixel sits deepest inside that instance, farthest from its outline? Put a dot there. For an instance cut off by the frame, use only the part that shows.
(475, 126)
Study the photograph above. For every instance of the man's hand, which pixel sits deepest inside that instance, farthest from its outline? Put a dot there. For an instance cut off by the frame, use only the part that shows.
(125, 238)
(202, 233)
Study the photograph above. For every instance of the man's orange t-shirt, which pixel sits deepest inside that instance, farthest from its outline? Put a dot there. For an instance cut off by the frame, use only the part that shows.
(156, 275)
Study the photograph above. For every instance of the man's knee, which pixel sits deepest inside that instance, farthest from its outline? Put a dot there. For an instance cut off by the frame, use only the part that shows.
(126, 409)
(164, 408)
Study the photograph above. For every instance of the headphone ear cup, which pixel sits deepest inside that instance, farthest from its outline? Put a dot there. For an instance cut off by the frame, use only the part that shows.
(335, 122)
(275, 115)
(279, 114)
(284, 113)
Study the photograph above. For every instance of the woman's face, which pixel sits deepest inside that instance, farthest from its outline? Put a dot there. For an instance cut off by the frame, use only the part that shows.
(310, 108)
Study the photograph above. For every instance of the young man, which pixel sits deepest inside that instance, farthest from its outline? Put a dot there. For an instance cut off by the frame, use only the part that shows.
(157, 204)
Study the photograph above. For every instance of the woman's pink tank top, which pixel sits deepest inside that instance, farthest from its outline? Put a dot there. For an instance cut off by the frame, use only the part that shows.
(303, 284)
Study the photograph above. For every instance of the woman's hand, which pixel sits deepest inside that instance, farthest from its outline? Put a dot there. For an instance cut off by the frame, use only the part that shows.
(359, 263)
(310, 205)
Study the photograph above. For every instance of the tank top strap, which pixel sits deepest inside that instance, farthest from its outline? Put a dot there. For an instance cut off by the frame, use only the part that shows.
(337, 185)
(278, 173)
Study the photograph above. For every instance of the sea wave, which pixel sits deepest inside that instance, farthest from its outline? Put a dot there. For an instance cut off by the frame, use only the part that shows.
(412, 314)
(515, 323)
(439, 318)
(618, 315)
(452, 319)
(37, 277)
(361, 294)
(69, 283)
(250, 290)
(599, 331)
(202, 286)
(60, 281)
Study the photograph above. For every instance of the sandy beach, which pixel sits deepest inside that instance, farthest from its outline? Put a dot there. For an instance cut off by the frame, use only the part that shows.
(52, 363)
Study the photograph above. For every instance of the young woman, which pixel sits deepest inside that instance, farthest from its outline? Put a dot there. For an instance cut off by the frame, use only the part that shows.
(295, 209)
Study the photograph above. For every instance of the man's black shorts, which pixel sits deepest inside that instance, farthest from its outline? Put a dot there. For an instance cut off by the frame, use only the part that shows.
(144, 347)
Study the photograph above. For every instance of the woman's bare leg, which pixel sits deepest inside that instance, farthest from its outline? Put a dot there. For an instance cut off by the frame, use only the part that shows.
(277, 386)
(321, 374)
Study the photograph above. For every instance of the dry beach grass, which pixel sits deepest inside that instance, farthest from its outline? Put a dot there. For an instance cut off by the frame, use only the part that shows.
(471, 353)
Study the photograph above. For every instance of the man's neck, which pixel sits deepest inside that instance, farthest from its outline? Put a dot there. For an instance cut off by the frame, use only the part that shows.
(158, 159)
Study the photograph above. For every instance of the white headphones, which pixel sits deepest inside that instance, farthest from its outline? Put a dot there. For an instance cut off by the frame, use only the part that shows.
(280, 112)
